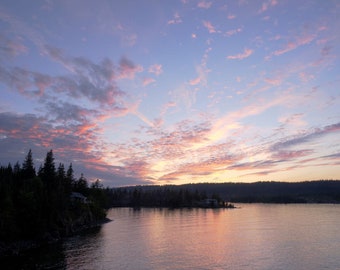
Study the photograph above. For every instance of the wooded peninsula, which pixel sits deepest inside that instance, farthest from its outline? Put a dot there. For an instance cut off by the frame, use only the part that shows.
(44, 206)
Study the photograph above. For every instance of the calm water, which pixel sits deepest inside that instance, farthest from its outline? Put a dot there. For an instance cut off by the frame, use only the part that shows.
(255, 236)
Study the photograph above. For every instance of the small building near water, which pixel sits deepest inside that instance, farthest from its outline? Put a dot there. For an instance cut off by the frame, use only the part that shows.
(209, 203)
(78, 197)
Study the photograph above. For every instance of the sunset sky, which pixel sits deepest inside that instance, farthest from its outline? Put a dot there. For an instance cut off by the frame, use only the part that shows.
(174, 91)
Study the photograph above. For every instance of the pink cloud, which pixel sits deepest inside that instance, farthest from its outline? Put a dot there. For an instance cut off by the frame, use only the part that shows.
(167, 106)
(12, 48)
(156, 69)
(195, 81)
(202, 72)
(306, 137)
(306, 77)
(206, 166)
(295, 44)
(288, 155)
(176, 19)
(129, 40)
(209, 26)
(231, 16)
(273, 81)
(147, 81)
(259, 164)
(266, 5)
(233, 32)
(240, 56)
(127, 69)
(136, 168)
(295, 121)
(204, 4)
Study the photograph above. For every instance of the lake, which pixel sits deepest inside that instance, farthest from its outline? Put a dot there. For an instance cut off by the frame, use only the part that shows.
(253, 236)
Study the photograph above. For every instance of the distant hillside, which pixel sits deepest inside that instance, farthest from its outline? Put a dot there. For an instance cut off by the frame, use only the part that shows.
(321, 191)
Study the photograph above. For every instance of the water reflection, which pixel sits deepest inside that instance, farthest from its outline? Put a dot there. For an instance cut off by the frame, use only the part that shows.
(68, 254)
(49, 257)
(81, 250)
(253, 237)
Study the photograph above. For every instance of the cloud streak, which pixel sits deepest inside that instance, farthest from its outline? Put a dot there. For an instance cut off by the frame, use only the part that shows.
(246, 53)
(209, 26)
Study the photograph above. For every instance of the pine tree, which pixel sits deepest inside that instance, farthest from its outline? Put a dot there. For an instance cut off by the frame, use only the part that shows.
(16, 169)
(61, 171)
(69, 173)
(48, 170)
(28, 169)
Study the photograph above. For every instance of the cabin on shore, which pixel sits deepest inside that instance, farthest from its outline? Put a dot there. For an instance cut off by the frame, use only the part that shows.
(78, 197)
(209, 203)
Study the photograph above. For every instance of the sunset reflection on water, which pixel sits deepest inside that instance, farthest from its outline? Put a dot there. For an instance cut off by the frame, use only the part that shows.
(253, 236)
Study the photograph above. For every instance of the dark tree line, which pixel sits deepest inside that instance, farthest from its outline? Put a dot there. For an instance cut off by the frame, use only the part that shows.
(36, 204)
(320, 191)
(160, 196)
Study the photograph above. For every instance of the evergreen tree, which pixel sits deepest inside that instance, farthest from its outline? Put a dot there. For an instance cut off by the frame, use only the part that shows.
(28, 170)
(69, 173)
(61, 171)
(16, 169)
(34, 207)
(68, 180)
(48, 170)
(81, 185)
(9, 168)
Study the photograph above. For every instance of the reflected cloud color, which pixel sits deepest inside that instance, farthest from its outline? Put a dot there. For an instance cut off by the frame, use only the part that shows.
(140, 92)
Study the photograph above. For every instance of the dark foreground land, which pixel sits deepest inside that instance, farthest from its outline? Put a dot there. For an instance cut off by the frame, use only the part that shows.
(39, 208)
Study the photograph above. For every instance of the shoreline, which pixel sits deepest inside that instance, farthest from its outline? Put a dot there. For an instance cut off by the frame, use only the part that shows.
(19, 247)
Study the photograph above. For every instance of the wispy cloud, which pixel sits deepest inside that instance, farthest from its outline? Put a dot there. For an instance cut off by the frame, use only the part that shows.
(204, 4)
(11, 48)
(262, 164)
(95, 81)
(202, 70)
(266, 5)
(157, 69)
(295, 44)
(246, 53)
(73, 137)
(293, 154)
(148, 80)
(127, 69)
(305, 138)
(22, 29)
(129, 39)
(333, 156)
(176, 19)
(209, 26)
(233, 32)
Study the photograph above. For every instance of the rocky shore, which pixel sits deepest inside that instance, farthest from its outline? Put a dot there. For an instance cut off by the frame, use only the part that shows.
(17, 247)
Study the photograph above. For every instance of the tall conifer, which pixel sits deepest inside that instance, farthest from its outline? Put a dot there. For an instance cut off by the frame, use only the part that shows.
(28, 169)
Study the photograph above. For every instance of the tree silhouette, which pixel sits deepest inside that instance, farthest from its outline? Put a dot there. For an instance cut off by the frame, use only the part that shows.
(39, 206)
(61, 171)
(69, 173)
(48, 170)
(28, 170)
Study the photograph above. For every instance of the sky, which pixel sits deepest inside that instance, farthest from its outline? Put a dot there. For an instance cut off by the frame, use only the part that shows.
(140, 92)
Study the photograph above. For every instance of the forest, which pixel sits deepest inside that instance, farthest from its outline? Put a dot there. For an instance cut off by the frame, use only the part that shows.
(318, 191)
(169, 196)
(48, 204)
